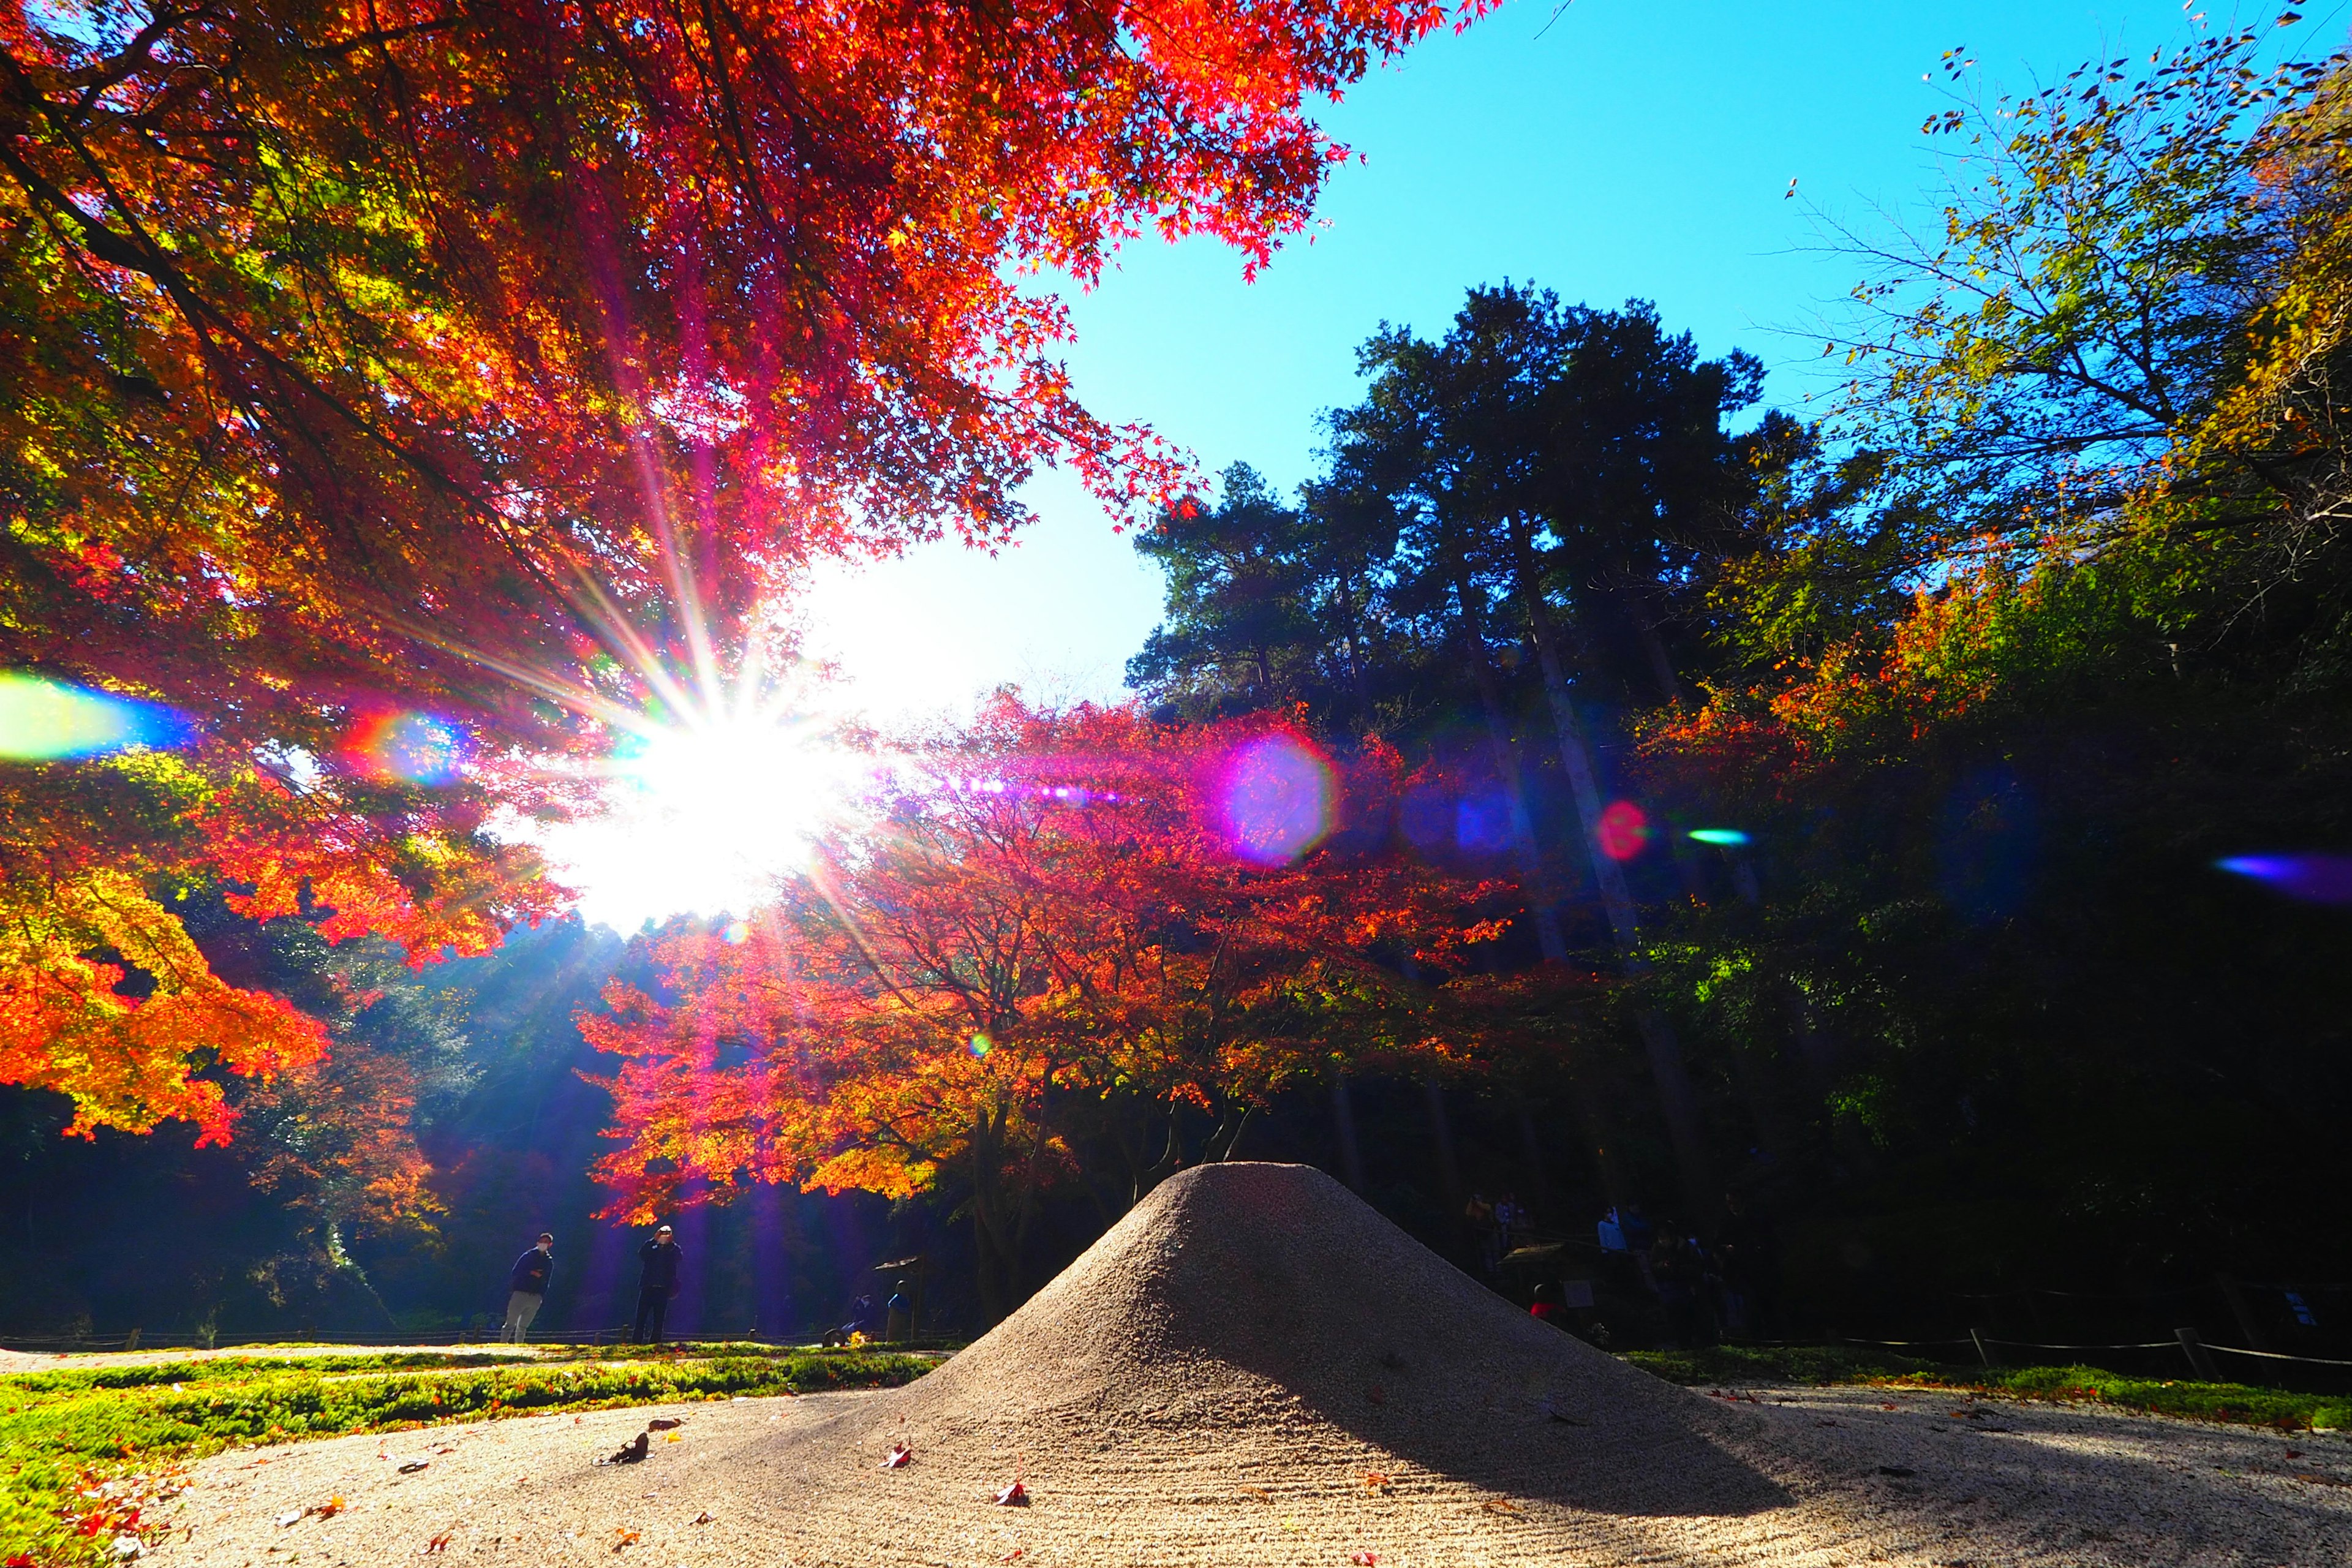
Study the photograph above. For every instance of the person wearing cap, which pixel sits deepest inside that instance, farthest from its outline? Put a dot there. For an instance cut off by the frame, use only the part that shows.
(656, 1283)
(527, 1287)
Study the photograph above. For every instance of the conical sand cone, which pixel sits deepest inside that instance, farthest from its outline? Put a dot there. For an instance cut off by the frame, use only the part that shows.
(1255, 1366)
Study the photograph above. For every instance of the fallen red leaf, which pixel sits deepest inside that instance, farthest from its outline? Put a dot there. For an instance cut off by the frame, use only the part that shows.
(1364, 1559)
(1015, 1496)
(899, 1456)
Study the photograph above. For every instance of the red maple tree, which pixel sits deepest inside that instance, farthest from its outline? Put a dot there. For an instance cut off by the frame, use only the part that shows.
(1078, 948)
(416, 359)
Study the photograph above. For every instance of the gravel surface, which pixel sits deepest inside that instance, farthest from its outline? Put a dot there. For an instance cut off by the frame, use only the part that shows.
(1255, 1368)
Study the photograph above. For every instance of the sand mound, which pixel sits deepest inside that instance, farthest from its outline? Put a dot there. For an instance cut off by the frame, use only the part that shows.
(1255, 1361)
(1242, 1295)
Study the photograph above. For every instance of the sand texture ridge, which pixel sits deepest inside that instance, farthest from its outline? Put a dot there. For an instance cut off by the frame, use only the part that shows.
(1253, 1367)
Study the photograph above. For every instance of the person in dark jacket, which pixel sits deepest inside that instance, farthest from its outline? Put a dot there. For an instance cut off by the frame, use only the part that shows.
(656, 1283)
(527, 1287)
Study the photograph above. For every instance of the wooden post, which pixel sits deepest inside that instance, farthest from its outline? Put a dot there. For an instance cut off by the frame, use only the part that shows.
(1984, 1351)
(2200, 1358)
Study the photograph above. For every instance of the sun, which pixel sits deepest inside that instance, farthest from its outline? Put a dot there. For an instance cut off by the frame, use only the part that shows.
(703, 816)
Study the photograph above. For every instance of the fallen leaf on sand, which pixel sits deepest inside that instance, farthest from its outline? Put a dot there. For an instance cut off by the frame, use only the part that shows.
(629, 1452)
(437, 1545)
(664, 1422)
(704, 1517)
(1499, 1505)
(329, 1509)
(285, 1519)
(1259, 1493)
(1364, 1559)
(1375, 1481)
(1015, 1496)
(674, 1437)
(411, 1467)
(627, 1538)
(1014, 1555)
(899, 1456)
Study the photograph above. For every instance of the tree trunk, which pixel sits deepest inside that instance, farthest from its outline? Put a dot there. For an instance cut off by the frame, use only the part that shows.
(1355, 655)
(1653, 647)
(1343, 1117)
(1543, 904)
(1441, 1130)
(1675, 1096)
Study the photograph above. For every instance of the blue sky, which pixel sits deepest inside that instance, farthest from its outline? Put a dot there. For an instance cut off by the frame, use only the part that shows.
(1628, 148)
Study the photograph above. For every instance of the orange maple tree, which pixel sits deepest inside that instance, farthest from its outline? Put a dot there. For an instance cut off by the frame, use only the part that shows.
(1056, 958)
(408, 358)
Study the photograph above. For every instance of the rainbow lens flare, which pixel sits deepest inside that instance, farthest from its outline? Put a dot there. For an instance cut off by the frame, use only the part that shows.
(1723, 836)
(1624, 830)
(981, 1045)
(1274, 798)
(2313, 878)
(44, 720)
(413, 747)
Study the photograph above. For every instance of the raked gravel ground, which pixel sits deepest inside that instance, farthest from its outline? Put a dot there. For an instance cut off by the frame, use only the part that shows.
(1255, 1368)
(2008, 1482)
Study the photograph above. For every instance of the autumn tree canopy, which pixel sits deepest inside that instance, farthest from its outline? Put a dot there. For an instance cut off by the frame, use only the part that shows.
(364, 367)
(1076, 950)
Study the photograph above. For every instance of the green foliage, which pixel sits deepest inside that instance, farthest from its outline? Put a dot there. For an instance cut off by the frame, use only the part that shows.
(1720, 1365)
(66, 1431)
(1823, 1365)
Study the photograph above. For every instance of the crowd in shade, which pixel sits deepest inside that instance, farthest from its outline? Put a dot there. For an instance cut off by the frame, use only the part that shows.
(1819, 869)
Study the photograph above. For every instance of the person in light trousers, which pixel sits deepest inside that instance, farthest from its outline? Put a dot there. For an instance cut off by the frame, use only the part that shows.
(527, 1287)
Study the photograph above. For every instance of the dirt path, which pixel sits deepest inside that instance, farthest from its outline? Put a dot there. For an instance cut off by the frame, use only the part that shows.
(46, 1361)
(2009, 1483)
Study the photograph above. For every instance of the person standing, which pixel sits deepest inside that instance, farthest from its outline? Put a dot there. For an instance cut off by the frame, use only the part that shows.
(902, 1314)
(658, 1262)
(527, 1287)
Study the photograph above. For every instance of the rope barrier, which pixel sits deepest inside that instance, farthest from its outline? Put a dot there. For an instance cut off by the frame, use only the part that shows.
(2274, 1355)
(2139, 1345)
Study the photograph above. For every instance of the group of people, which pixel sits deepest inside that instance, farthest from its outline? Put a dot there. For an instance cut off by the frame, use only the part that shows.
(658, 1262)
(1499, 1226)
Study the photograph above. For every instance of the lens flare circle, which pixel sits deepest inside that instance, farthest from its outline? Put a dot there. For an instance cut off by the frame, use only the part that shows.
(1723, 836)
(416, 748)
(981, 1045)
(44, 720)
(1624, 830)
(2313, 878)
(1274, 797)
